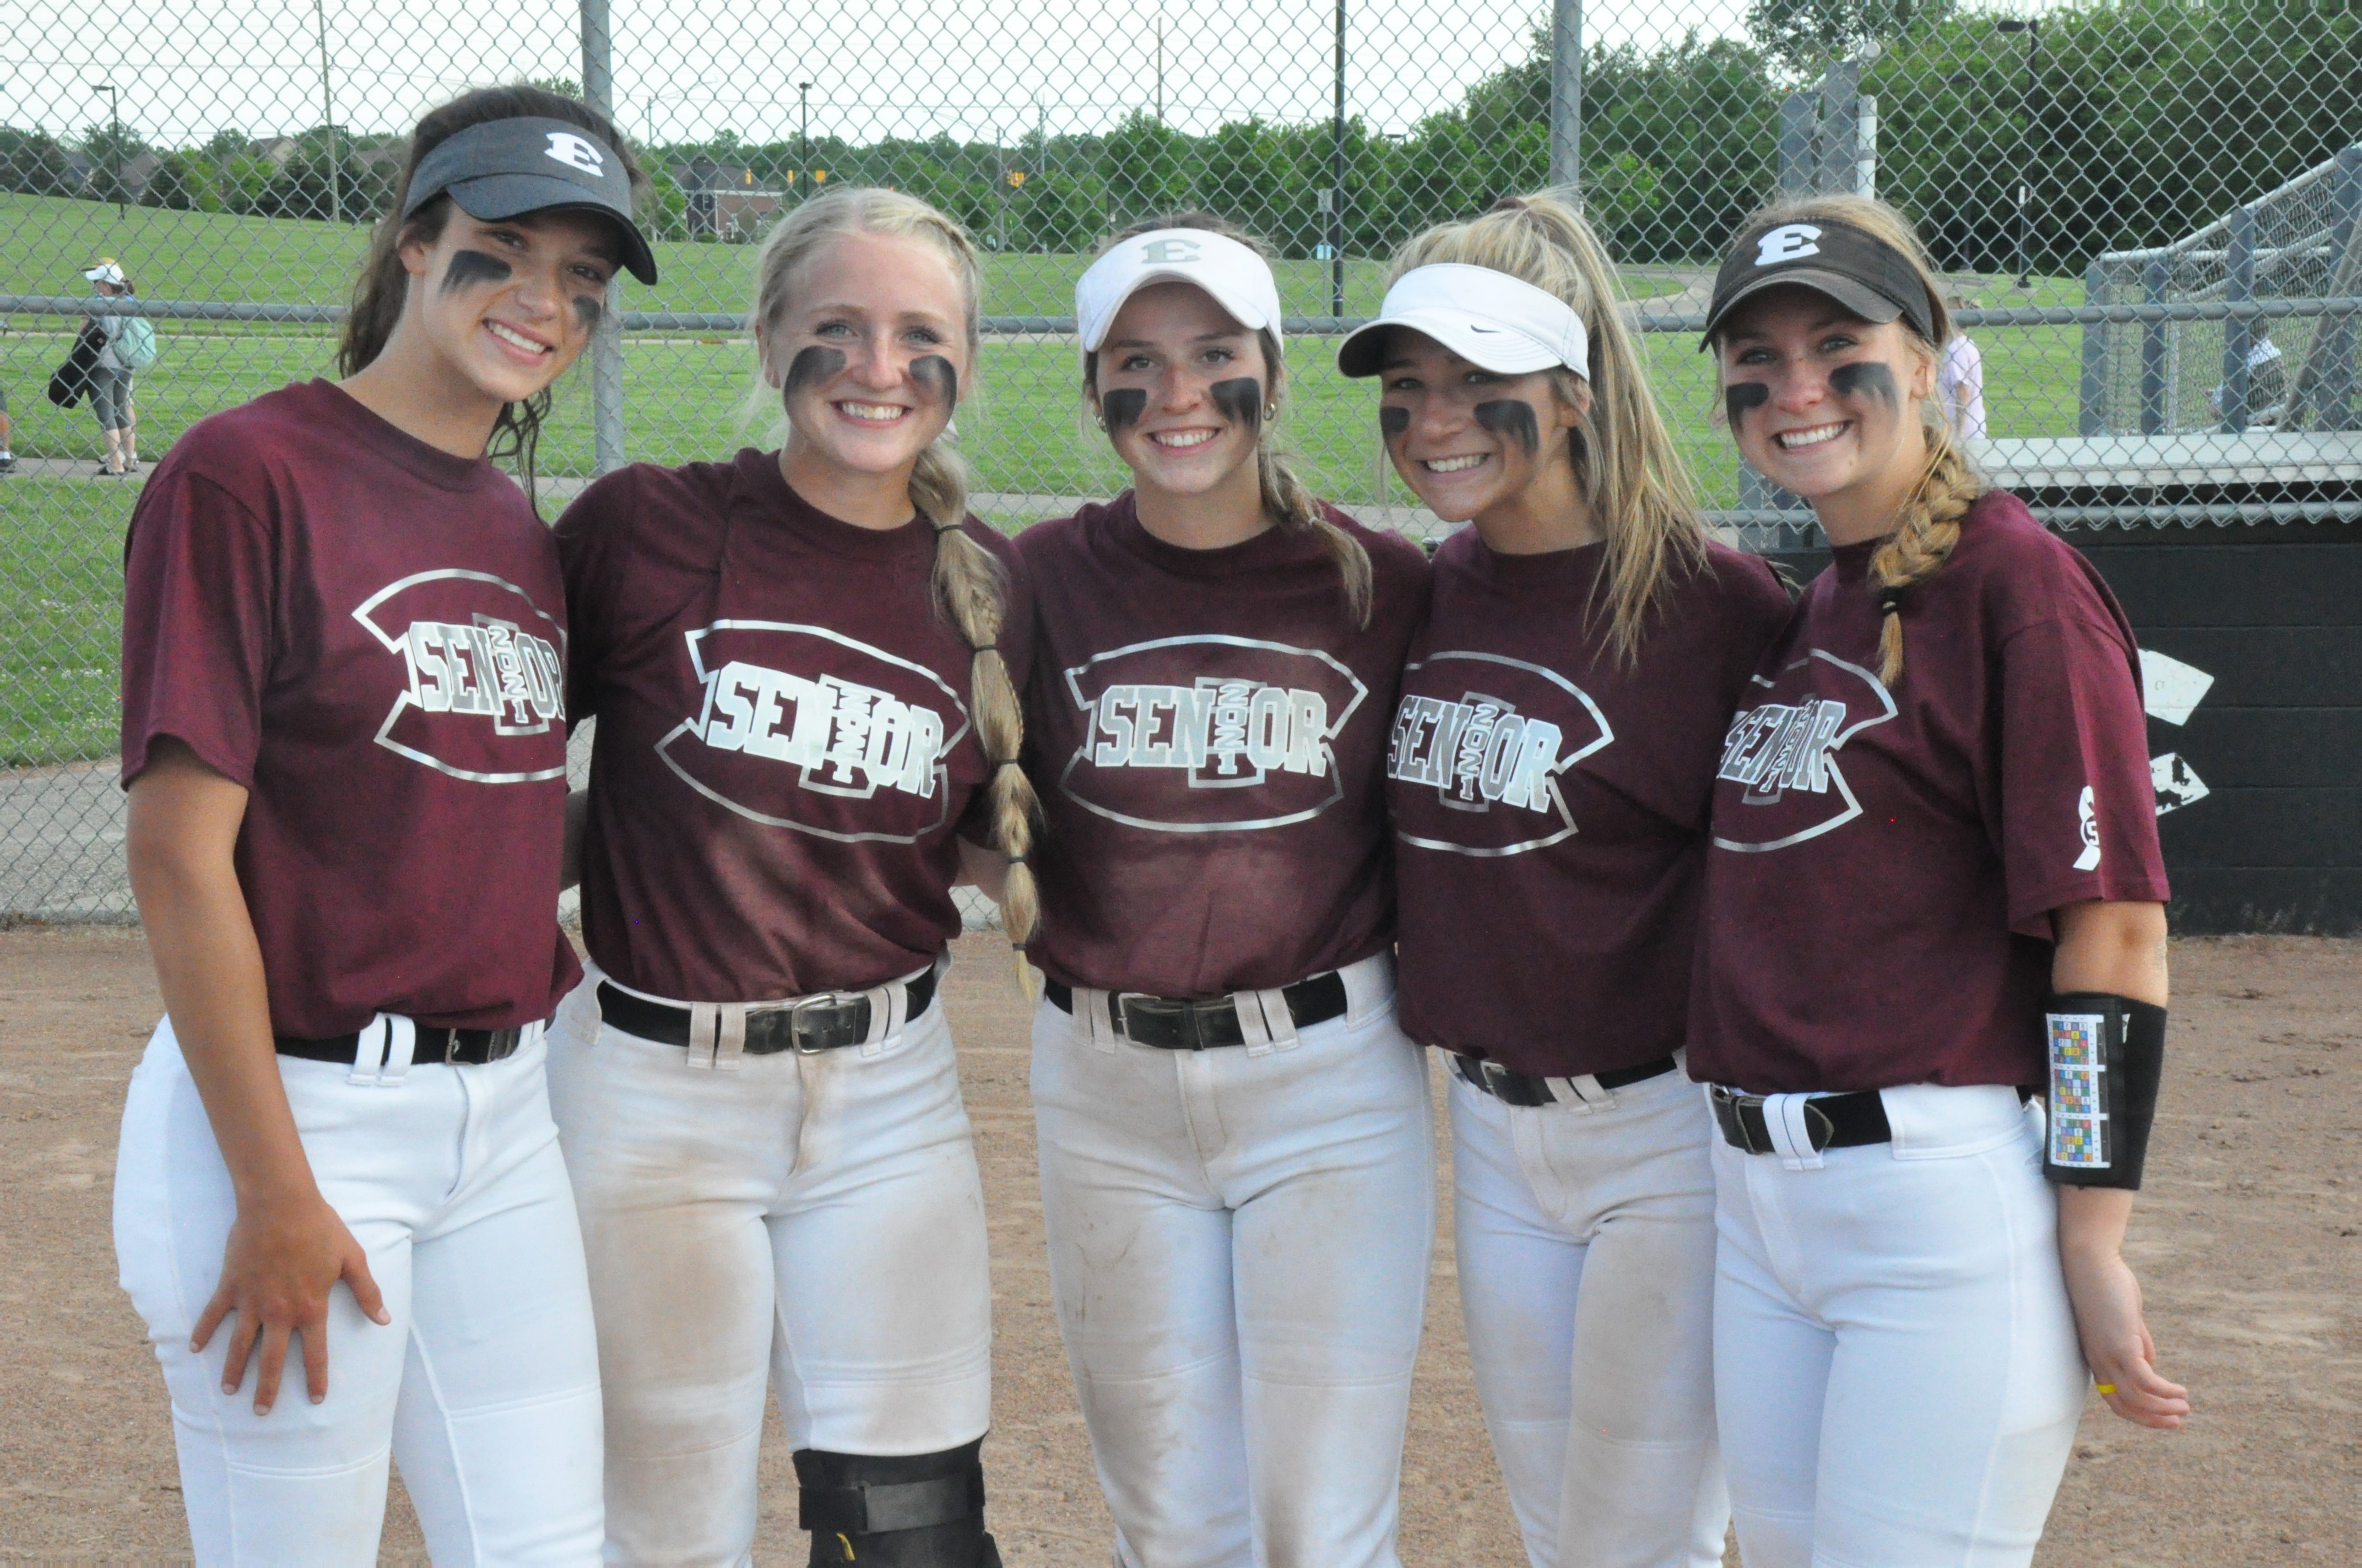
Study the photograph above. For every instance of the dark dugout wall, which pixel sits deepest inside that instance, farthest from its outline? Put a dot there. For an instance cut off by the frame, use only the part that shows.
(2260, 779)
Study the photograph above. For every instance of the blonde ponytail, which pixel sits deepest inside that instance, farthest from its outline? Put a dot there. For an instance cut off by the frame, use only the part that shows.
(970, 585)
(1630, 477)
(1286, 499)
(1928, 524)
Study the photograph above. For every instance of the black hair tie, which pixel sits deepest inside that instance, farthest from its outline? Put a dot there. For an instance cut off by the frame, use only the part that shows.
(1008, 762)
(1889, 601)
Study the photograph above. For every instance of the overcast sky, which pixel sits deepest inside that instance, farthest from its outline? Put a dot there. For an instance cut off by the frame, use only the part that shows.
(187, 68)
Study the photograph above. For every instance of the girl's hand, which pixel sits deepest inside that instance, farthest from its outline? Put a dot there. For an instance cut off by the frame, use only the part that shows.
(2116, 1343)
(282, 1260)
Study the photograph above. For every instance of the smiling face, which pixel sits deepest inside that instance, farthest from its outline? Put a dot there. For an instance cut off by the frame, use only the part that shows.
(1182, 388)
(1470, 441)
(869, 354)
(1820, 402)
(510, 304)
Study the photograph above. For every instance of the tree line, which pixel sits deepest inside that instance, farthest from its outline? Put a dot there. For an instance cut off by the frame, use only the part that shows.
(2138, 121)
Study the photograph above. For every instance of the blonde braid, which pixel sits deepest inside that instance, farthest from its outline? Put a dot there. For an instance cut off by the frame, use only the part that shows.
(1923, 542)
(973, 590)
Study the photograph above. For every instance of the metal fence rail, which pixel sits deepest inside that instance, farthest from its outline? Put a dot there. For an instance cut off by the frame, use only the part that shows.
(2127, 197)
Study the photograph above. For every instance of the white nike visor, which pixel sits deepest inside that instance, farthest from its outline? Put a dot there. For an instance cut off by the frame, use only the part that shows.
(1502, 323)
(1231, 274)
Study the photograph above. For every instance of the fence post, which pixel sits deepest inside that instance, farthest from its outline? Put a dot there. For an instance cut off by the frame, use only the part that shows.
(2333, 399)
(2091, 415)
(1797, 117)
(2238, 333)
(1865, 145)
(2152, 385)
(607, 342)
(1566, 97)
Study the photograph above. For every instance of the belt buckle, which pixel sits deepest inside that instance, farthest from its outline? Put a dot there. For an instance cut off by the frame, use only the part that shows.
(1149, 1007)
(1496, 1078)
(1818, 1126)
(1737, 1103)
(796, 1010)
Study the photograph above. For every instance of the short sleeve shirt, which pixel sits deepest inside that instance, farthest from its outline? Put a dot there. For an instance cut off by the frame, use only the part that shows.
(1885, 859)
(785, 750)
(1550, 802)
(1206, 730)
(367, 635)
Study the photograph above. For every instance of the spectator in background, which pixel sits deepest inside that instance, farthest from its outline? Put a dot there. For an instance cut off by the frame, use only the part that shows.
(1960, 382)
(7, 455)
(2267, 381)
(110, 378)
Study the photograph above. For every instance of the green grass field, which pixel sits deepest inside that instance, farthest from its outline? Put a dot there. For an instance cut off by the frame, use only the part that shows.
(60, 539)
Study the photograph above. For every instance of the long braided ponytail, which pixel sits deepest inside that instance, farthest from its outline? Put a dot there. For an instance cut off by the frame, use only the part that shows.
(970, 585)
(1286, 499)
(1929, 522)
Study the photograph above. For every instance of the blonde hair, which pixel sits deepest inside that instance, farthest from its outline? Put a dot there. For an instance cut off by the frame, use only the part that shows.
(970, 585)
(1625, 464)
(1287, 501)
(1928, 524)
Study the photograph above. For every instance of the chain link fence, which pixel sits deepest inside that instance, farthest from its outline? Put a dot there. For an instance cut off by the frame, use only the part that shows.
(2132, 199)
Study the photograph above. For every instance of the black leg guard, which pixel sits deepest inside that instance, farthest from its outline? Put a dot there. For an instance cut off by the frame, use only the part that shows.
(924, 1510)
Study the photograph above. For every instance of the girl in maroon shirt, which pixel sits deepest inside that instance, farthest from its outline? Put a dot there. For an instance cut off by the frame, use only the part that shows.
(1237, 1167)
(1933, 808)
(344, 735)
(1551, 766)
(805, 724)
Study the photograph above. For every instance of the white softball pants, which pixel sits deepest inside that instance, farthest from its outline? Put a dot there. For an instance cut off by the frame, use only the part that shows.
(1586, 1239)
(1897, 1375)
(1239, 1243)
(812, 1223)
(484, 1387)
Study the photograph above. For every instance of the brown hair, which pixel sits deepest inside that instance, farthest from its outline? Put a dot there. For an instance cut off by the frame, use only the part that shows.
(383, 286)
(1624, 463)
(1928, 524)
(970, 585)
(1286, 499)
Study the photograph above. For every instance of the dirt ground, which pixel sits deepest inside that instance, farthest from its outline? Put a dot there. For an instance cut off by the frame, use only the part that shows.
(2249, 1239)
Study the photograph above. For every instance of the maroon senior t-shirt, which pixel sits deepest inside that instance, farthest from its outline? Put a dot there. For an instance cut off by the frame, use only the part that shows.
(369, 634)
(1549, 803)
(1206, 730)
(1885, 860)
(785, 751)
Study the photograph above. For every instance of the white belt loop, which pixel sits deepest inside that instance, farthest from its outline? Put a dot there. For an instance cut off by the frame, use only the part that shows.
(1091, 1010)
(382, 1050)
(717, 1035)
(1369, 986)
(888, 1004)
(1265, 1021)
(1584, 1091)
(1792, 1137)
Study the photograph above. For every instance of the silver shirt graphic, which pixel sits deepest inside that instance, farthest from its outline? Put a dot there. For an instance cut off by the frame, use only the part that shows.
(1209, 734)
(473, 677)
(1496, 763)
(1784, 755)
(804, 728)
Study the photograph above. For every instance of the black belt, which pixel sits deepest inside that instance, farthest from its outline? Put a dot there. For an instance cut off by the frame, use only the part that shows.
(1832, 1122)
(1175, 1026)
(460, 1048)
(1524, 1088)
(825, 1023)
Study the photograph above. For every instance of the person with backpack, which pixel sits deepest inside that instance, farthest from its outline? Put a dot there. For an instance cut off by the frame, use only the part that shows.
(123, 345)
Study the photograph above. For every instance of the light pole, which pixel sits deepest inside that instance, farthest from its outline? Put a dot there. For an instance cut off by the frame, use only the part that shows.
(328, 115)
(1337, 183)
(114, 120)
(803, 141)
(2032, 28)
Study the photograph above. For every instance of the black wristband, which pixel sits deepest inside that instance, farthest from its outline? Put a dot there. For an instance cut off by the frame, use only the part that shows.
(2104, 1055)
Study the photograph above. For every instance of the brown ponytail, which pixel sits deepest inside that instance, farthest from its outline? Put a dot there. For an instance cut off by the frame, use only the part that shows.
(383, 289)
(970, 586)
(1286, 499)
(1929, 522)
